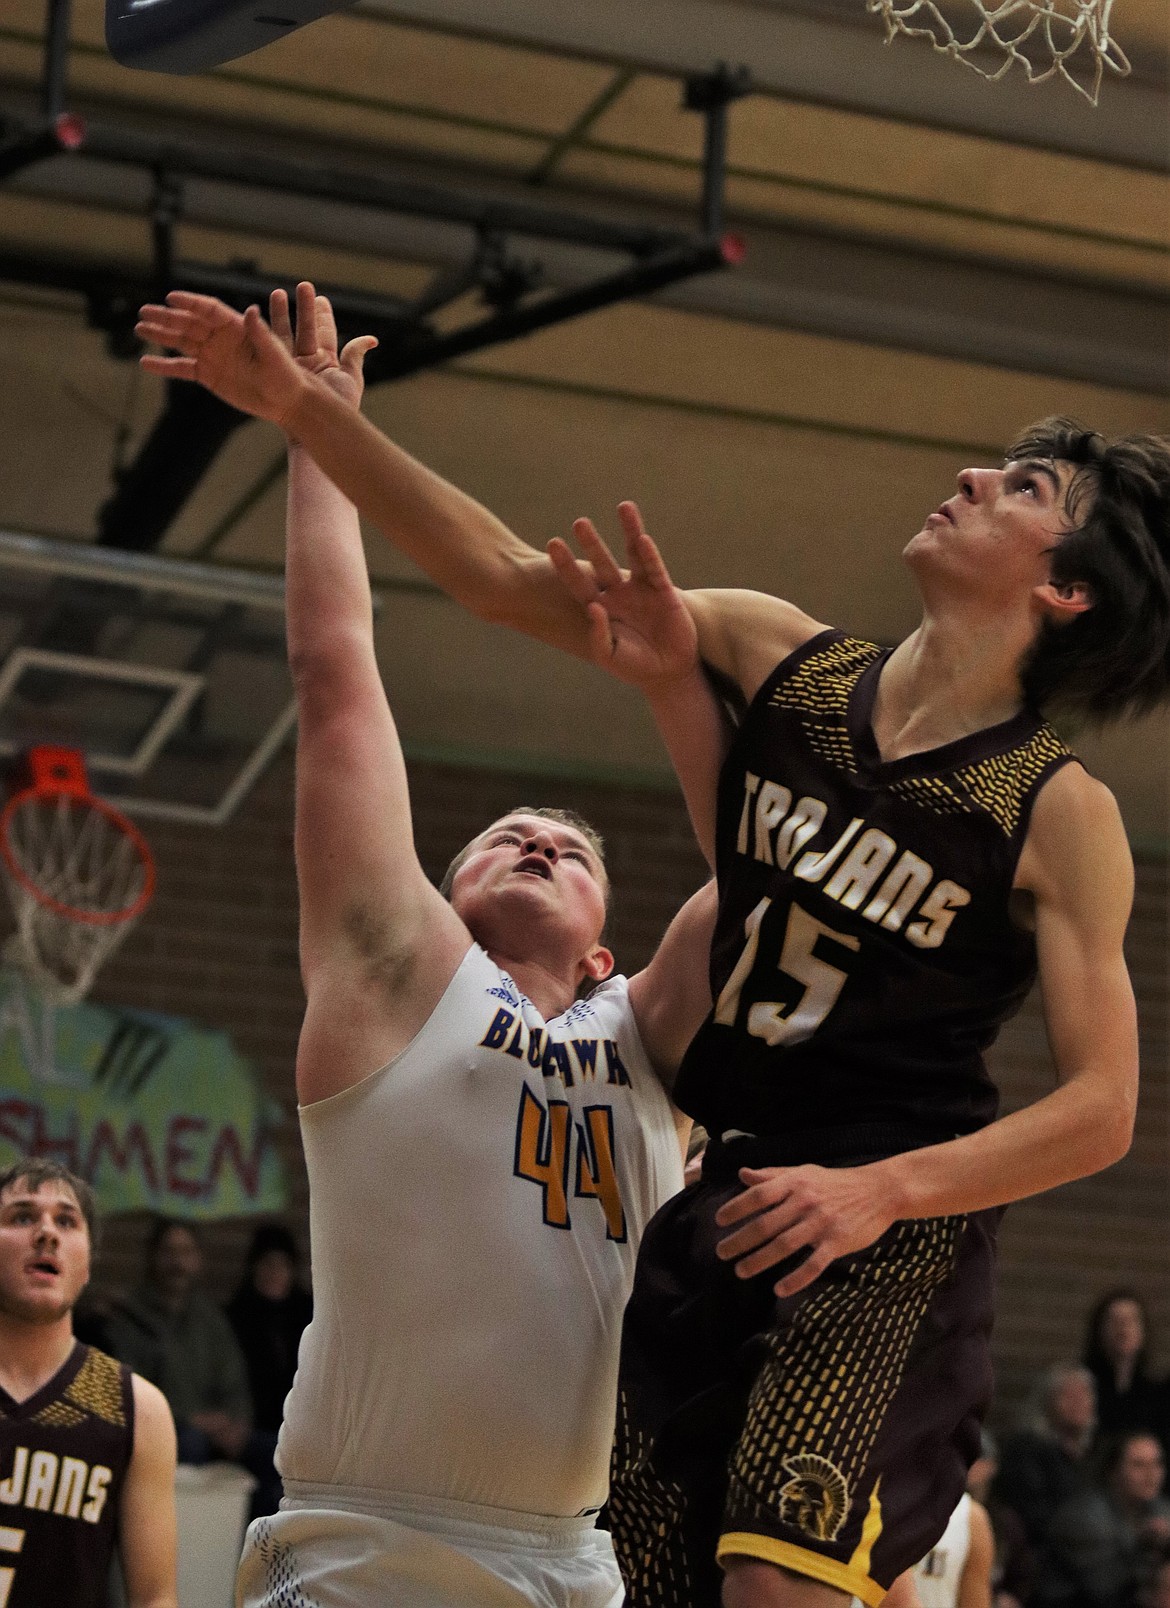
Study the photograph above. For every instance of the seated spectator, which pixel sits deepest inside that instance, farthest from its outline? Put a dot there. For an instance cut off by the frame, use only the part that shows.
(1154, 1590)
(175, 1336)
(1046, 1464)
(268, 1313)
(1115, 1354)
(1100, 1543)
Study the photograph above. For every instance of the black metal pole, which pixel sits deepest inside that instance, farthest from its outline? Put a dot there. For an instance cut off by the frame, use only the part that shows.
(640, 279)
(714, 168)
(56, 58)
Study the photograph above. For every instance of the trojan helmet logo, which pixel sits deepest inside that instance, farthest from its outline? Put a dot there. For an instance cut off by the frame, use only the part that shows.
(816, 1498)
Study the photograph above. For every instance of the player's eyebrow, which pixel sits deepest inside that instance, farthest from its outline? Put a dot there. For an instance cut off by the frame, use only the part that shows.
(1035, 466)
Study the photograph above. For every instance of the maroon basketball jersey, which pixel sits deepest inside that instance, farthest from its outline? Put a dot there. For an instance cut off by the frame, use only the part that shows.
(865, 954)
(63, 1456)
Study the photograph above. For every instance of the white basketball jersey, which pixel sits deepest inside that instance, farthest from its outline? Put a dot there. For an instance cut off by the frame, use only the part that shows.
(475, 1209)
(940, 1574)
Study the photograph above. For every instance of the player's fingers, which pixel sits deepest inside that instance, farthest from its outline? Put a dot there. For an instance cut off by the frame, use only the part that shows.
(279, 318)
(171, 368)
(307, 337)
(605, 566)
(648, 562)
(355, 353)
(577, 578)
(768, 1228)
(208, 307)
(326, 323)
(762, 1191)
(601, 641)
(808, 1271)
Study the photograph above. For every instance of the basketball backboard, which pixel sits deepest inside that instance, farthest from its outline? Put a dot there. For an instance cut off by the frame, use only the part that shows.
(169, 676)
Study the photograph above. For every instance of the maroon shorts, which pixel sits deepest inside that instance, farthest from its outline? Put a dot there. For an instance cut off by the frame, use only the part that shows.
(829, 1433)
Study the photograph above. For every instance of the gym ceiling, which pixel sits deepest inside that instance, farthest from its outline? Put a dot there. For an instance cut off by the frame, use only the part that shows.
(932, 262)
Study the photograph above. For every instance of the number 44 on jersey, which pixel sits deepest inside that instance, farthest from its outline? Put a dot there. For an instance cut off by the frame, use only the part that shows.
(553, 1151)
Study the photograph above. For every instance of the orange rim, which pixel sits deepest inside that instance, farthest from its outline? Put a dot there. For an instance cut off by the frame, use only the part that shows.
(90, 918)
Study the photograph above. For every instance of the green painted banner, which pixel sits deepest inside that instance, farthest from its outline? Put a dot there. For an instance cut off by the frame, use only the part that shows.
(153, 1111)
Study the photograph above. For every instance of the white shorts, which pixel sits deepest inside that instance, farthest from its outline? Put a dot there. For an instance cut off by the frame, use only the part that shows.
(338, 1548)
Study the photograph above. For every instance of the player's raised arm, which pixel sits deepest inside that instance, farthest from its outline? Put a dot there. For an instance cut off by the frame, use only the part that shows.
(672, 994)
(463, 547)
(378, 943)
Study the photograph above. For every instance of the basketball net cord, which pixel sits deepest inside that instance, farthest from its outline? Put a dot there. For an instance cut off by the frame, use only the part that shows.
(1065, 37)
(82, 879)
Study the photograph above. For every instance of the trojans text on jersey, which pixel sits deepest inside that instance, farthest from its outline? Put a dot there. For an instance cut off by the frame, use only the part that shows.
(862, 870)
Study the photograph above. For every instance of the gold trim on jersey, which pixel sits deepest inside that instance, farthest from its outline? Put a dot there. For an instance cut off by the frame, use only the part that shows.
(999, 786)
(646, 1514)
(828, 1378)
(813, 1565)
(819, 691)
(95, 1392)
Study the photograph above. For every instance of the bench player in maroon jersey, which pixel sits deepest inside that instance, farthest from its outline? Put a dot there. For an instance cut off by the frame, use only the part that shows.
(901, 840)
(87, 1449)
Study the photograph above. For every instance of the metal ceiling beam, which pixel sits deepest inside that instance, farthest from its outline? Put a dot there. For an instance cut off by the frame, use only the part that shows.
(823, 60)
(881, 293)
(192, 427)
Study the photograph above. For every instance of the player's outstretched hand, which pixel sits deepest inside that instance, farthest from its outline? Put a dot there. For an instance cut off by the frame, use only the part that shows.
(831, 1210)
(235, 355)
(313, 344)
(640, 629)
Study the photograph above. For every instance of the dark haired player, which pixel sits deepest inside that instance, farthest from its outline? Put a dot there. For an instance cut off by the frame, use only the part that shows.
(87, 1449)
(902, 841)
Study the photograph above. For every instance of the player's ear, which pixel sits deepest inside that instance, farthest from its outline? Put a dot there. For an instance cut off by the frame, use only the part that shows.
(1062, 601)
(597, 965)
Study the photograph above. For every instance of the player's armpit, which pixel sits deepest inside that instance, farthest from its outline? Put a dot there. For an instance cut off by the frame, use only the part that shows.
(146, 1525)
(744, 635)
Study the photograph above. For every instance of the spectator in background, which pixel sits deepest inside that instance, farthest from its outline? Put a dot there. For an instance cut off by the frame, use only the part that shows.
(171, 1333)
(1116, 1355)
(269, 1312)
(1101, 1543)
(1044, 1465)
(1154, 1591)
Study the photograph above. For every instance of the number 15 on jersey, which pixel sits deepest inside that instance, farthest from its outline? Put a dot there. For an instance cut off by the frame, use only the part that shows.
(822, 982)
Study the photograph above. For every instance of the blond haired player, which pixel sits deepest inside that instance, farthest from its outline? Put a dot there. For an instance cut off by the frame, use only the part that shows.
(483, 1148)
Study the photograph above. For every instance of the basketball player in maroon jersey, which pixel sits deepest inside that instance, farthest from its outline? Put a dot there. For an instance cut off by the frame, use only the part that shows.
(901, 840)
(87, 1449)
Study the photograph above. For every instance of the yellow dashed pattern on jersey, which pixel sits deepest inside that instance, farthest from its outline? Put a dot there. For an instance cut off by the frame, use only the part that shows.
(646, 1514)
(999, 786)
(827, 1382)
(819, 691)
(96, 1392)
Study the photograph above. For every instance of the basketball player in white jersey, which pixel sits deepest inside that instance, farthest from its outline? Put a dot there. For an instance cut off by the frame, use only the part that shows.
(483, 1151)
(956, 1572)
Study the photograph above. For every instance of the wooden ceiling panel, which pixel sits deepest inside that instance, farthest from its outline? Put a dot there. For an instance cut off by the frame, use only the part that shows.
(373, 62)
(659, 352)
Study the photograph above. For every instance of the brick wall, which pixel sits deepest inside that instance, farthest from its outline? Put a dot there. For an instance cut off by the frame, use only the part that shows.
(219, 946)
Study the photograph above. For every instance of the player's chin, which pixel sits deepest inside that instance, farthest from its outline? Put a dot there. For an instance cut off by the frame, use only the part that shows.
(43, 1306)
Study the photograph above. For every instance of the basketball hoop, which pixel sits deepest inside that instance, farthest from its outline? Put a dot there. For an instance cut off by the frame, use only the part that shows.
(1065, 37)
(78, 872)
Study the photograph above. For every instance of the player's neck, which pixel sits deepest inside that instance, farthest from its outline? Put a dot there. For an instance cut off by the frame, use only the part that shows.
(550, 990)
(948, 679)
(31, 1353)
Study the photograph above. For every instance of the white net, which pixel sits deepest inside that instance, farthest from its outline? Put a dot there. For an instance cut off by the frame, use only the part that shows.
(78, 874)
(1069, 38)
